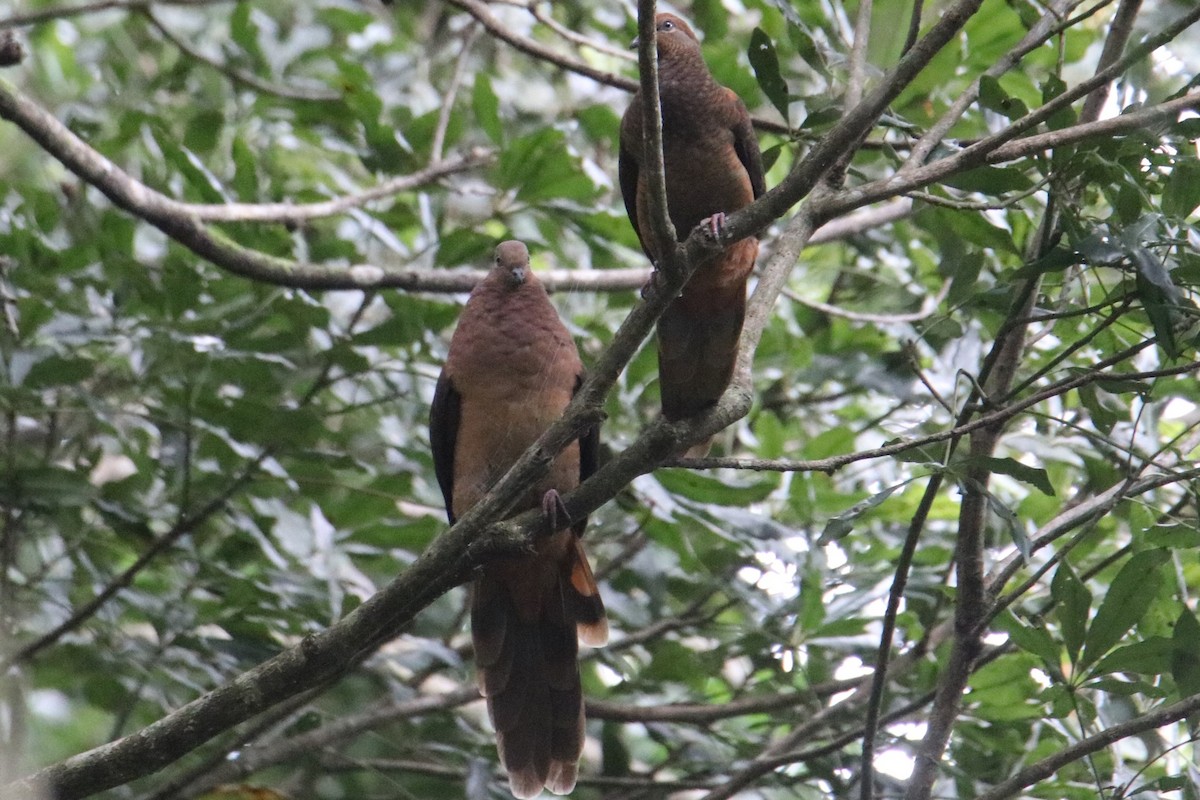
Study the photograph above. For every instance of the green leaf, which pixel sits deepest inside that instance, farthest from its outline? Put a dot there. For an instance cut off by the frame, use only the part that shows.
(540, 167)
(344, 20)
(1125, 603)
(244, 30)
(1003, 690)
(993, 97)
(843, 523)
(765, 62)
(1182, 193)
(245, 177)
(704, 489)
(204, 131)
(1052, 87)
(805, 45)
(1159, 298)
(1102, 407)
(465, 246)
(1032, 639)
(1074, 605)
(770, 156)
(46, 488)
(971, 227)
(411, 318)
(1185, 653)
(1150, 656)
(933, 453)
(1174, 537)
(486, 106)
(58, 370)
(990, 180)
(821, 115)
(198, 178)
(1012, 523)
(1058, 259)
(1034, 476)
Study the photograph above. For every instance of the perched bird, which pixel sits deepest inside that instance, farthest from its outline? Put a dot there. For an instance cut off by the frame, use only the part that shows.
(511, 370)
(713, 167)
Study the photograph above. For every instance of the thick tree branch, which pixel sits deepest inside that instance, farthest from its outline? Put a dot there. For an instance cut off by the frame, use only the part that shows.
(165, 212)
(447, 562)
(1118, 36)
(972, 598)
(179, 218)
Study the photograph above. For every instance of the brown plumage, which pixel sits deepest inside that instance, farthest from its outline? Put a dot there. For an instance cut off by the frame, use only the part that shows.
(713, 167)
(511, 370)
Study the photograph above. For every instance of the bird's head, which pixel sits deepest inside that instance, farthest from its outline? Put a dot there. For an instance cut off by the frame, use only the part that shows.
(675, 37)
(512, 263)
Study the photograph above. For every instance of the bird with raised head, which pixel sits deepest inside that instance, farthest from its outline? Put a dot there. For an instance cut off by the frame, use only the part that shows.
(712, 168)
(511, 370)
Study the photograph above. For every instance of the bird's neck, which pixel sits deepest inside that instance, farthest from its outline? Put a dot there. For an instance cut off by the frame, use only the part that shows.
(686, 89)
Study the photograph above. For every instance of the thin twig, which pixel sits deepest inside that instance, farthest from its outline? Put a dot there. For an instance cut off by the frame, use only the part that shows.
(1047, 25)
(661, 230)
(929, 307)
(460, 70)
(1049, 765)
(531, 47)
(534, 7)
(233, 73)
(68, 11)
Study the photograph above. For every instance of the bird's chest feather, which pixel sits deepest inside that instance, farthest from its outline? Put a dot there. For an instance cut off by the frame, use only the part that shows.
(510, 394)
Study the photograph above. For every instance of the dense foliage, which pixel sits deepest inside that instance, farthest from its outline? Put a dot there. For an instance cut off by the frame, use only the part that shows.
(974, 425)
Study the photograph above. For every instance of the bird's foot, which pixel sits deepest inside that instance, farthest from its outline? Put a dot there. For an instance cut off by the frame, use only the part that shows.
(552, 508)
(653, 284)
(714, 226)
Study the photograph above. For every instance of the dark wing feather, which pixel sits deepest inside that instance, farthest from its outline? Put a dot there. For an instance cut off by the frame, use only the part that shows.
(589, 444)
(589, 455)
(745, 144)
(444, 416)
(627, 173)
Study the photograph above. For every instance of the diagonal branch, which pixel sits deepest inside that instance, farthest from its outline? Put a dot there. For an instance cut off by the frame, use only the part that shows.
(76, 10)
(1049, 765)
(233, 73)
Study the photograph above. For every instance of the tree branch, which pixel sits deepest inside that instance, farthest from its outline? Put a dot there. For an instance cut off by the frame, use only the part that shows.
(1047, 25)
(255, 758)
(1091, 744)
(534, 48)
(903, 183)
(233, 73)
(662, 229)
(1118, 36)
(65, 12)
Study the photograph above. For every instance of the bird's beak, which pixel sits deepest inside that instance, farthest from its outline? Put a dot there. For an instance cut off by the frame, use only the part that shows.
(518, 275)
(634, 44)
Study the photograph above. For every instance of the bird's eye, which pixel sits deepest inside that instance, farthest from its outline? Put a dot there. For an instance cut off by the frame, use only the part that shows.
(668, 25)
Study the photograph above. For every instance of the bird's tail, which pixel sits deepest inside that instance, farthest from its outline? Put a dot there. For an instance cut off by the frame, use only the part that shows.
(526, 650)
(697, 349)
